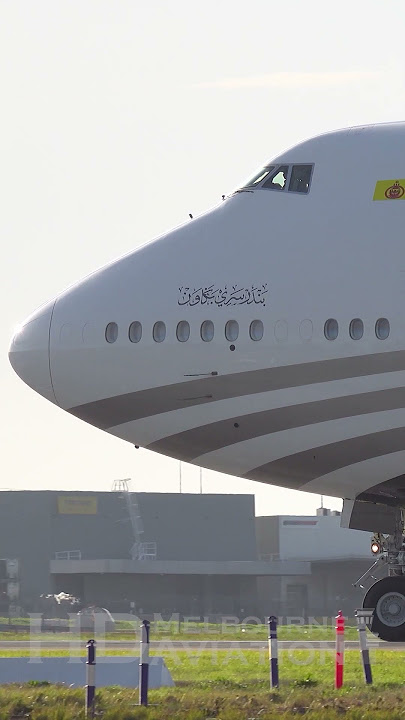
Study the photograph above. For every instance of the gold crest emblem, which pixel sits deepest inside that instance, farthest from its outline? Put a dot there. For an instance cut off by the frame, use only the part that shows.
(395, 191)
(390, 189)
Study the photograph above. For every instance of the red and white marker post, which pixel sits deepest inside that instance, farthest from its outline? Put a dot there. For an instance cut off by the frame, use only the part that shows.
(340, 649)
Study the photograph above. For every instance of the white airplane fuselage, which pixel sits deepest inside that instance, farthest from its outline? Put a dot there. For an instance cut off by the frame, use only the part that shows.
(293, 408)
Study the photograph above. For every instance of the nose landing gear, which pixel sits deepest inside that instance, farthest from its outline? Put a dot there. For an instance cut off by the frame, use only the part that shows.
(387, 596)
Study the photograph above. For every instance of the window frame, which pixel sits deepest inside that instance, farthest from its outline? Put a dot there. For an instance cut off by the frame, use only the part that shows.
(297, 192)
(351, 329)
(326, 326)
(232, 323)
(131, 325)
(377, 328)
(256, 339)
(205, 323)
(273, 175)
(155, 335)
(183, 323)
(273, 172)
(253, 185)
(112, 325)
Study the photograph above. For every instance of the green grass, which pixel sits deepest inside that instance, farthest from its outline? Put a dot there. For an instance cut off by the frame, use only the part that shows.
(244, 668)
(202, 631)
(234, 685)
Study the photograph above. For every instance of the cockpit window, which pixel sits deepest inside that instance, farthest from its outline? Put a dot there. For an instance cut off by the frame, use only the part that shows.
(300, 178)
(291, 178)
(259, 176)
(277, 179)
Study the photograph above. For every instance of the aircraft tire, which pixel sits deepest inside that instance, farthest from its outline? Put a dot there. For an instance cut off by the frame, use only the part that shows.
(387, 598)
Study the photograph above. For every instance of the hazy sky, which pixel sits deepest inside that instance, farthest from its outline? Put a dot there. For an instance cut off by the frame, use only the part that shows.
(119, 118)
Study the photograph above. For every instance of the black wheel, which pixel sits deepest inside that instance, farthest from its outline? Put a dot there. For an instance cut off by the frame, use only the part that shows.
(387, 598)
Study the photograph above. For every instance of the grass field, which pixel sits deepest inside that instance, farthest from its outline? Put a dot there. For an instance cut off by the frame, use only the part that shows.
(234, 685)
(201, 631)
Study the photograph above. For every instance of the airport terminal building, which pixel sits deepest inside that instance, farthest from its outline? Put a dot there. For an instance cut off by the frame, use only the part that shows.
(197, 555)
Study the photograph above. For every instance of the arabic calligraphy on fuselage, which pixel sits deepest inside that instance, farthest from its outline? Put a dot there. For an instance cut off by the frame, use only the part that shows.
(226, 296)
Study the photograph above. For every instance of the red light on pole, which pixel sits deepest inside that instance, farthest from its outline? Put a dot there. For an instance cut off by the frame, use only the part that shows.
(340, 648)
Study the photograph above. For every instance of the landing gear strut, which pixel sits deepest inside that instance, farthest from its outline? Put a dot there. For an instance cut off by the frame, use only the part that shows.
(387, 596)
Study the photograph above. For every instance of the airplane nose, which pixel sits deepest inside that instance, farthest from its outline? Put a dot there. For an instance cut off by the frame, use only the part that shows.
(29, 352)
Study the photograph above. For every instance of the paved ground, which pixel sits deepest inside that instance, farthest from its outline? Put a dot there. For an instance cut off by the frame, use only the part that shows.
(195, 645)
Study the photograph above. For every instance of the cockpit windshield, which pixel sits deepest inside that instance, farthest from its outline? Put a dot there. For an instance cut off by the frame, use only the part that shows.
(300, 178)
(278, 179)
(259, 176)
(288, 178)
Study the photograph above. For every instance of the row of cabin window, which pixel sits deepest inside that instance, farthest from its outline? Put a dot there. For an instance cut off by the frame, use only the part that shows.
(356, 329)
(256, 331)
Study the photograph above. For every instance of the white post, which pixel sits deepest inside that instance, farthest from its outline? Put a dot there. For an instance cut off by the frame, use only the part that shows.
(90, 679)
(364, 617)
(144, 663)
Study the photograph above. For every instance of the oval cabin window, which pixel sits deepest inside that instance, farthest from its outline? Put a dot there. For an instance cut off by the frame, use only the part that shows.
(356, 329)
(159, 331)
(111, 332)
(256, 330)
(183, 331)
(231, 330)
(207, 330)
(382, 328)
(135, 332)
(331, 329)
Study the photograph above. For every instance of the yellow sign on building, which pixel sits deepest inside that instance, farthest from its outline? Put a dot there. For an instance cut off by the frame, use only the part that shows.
(389, 190)
(77, 505)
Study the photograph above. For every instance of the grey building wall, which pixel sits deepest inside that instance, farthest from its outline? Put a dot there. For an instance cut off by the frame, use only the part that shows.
(328, 589)
(25, 531)
(268, 535)
(331, 588)
(106, 534)
(192, 595)
(336, 562)
(199, 527)
(184, 527)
